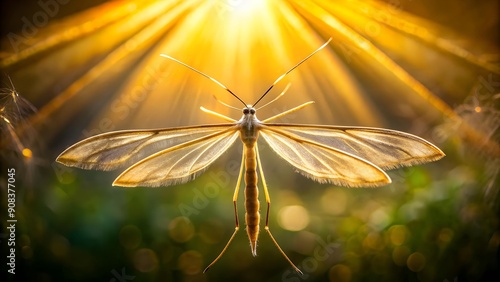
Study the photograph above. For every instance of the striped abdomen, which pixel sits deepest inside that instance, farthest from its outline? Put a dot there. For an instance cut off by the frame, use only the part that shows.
(252, 216)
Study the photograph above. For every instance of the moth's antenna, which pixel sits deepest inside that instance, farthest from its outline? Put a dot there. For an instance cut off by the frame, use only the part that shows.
(205, 75)
(283, 75)
(277, 97)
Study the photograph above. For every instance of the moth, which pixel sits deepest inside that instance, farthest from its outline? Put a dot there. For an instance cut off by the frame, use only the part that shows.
(340, 155)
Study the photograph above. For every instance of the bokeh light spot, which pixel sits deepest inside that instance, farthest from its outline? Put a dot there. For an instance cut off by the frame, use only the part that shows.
(411, 210)
(293, 218)
(349, 225)
(304, 242)
(27, 153)
(181, 229)
(373, 241)
(340, 273)
(398, 234)
(191, 262)
(379, 219)
(130, 237)
(416, 262)
(334, 201)
(445, 236)
(145, 260)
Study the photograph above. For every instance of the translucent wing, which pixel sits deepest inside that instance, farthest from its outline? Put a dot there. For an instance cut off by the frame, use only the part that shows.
(350, 156)
(385, 148)
(117, 149)
(322, 163)
(180, 163)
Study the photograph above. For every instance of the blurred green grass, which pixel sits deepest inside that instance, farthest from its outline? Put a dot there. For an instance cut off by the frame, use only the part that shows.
(433, 223)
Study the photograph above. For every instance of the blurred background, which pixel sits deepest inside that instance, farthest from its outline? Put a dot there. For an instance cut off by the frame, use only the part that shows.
(73, 69)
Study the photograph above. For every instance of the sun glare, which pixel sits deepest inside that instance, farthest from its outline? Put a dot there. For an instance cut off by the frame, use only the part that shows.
(244, 44)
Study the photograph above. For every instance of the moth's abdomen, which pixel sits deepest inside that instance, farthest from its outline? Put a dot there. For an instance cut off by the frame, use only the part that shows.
(252, 206)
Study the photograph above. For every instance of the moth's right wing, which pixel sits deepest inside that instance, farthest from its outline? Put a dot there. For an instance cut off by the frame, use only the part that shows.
(113, 150)
(349, 156)
(322, 163)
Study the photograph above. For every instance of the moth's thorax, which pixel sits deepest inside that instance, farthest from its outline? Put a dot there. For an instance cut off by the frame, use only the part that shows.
(249, 126)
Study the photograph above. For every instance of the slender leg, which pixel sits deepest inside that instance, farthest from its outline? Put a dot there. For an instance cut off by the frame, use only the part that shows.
(268, 201)
(217, 114)
(237, 227)
(288, 112)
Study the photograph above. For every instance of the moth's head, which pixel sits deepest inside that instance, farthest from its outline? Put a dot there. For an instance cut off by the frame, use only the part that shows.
(249, 110)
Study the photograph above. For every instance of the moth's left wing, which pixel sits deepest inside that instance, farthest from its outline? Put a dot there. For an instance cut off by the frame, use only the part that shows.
(180, 163)
(385, 148)
(117, 149)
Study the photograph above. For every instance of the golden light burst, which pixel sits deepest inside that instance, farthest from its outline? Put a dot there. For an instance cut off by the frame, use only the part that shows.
(102, 65)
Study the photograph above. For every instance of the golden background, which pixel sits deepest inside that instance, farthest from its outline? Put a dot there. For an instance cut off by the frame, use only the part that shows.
(72, 69)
